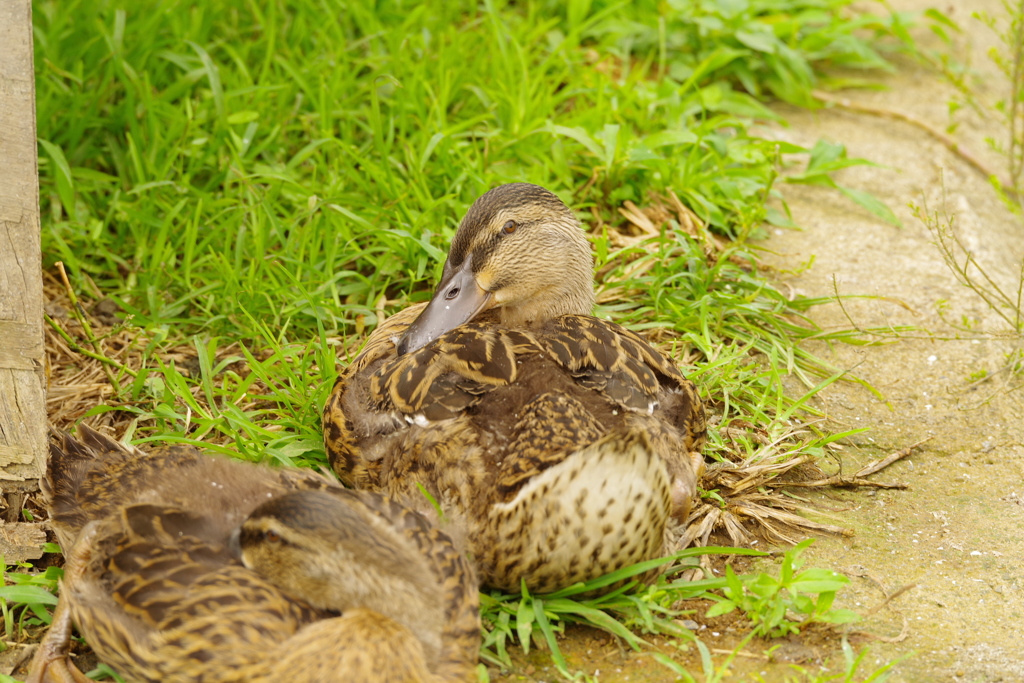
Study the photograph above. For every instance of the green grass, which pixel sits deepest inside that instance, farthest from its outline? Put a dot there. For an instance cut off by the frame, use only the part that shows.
(25, 598)
(254, 181)
(777, 606)
(258, 163)
(266, 174)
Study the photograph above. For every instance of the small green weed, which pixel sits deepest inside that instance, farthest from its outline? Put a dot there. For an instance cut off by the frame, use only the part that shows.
(1006, 302)
(1002, 297)
(852, 663)
(826, 159)
(1009, 58)
(778, 606)
(633, 604)
(26, 598)
(711, 672)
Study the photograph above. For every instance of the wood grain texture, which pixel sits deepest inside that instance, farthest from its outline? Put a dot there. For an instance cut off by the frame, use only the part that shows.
(20, 541)
(22, 404)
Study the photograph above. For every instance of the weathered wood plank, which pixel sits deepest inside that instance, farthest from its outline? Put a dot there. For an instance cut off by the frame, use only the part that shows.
(21, 345)
(21, 541)
(22, 404)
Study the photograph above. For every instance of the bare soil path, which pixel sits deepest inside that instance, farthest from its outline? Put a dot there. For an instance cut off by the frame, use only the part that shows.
(958, 533)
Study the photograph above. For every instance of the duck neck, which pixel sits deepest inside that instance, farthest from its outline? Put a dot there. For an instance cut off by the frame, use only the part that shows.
(567, 289)
(542, 309)
(408, 598)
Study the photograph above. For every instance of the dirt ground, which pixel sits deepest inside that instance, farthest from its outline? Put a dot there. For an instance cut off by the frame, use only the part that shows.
(956, 534)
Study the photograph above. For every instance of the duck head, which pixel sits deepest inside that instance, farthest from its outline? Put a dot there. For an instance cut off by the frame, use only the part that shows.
(518, 249)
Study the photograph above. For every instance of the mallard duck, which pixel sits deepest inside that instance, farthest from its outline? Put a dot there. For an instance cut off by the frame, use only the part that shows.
(187, 567)
(564, 442)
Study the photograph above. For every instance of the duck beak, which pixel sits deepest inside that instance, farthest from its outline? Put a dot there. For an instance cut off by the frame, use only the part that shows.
(458, 299)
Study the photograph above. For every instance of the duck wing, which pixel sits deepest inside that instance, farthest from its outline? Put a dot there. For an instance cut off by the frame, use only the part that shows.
(94, 477)
(159, 599)
(503, 404)
(653, 394)
(380, 394)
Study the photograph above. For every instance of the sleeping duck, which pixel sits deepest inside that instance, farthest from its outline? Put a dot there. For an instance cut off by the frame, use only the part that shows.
(562, 442)
(186, 567)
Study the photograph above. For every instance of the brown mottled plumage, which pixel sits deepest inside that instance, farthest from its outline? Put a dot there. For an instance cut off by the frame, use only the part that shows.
(564, 441)
(187, 567)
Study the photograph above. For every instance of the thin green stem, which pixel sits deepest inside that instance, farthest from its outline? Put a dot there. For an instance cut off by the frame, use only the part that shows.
(79, 313)
(78, 348)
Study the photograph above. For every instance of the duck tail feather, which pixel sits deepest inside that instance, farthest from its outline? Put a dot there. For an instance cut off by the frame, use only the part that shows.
(70, 460)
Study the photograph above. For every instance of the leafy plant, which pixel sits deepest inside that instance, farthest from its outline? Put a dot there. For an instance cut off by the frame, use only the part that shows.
(1007, 302)
(778, 606)
(27, 597)
(1009, 58)
(764, 47)
(632, 603)
(826, 159)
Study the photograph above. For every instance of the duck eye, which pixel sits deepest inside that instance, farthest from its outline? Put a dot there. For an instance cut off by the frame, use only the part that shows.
(509, 228)
(271, 535)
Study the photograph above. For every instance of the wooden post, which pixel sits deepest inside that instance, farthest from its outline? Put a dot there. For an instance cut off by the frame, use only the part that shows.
(23, 424)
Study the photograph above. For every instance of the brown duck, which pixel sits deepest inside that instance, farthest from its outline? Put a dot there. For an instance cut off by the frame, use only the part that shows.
(564, 442)
(186, 567)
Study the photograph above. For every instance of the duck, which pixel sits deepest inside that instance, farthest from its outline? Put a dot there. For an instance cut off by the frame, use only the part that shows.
(565, 443)
(181, 566)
